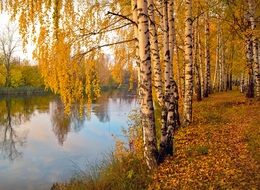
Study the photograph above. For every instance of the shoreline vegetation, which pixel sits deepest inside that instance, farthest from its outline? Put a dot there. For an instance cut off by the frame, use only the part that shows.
(221, 131)
(31, 90)
(26, 90)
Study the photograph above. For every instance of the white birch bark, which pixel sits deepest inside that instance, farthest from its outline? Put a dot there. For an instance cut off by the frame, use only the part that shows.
(155, 54)
(200, 66)
(147, 110)
(207, 58)
(255, 48)
(249, 52)
(188, 64)
(137, 57)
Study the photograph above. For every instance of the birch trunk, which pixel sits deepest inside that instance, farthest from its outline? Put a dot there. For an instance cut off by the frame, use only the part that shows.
(179, 80)
(147, 110)
(173, 114)
(137, 57)
(196, 65)
(256, 67)
(216, 74)
(157, 70)
(170, 110)
(200, 67)
(249, 22)
(255, 49)
(207, 58)
(249, 58)
(188, 64)
(155, 54)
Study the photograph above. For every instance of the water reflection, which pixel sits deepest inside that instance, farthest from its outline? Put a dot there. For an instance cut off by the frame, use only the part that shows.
(62, 123)
(14, 112)
(10, 118)
(38, 141)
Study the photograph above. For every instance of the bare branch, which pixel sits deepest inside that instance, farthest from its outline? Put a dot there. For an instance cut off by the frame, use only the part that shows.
(123, 16)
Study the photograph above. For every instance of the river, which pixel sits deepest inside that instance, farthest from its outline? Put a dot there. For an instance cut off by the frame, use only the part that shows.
(40, 145)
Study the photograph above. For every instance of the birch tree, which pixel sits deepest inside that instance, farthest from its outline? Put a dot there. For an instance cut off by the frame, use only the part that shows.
(207, 57)
(147, 110)
(254, 48)
(188, 64)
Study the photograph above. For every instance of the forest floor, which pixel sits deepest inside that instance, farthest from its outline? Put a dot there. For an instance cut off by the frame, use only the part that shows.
(220, 150)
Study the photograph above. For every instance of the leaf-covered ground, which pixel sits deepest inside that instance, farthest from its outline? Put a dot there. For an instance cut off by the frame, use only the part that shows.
(221, 150)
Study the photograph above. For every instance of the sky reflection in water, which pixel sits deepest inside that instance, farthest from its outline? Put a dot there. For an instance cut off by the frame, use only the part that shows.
(39, 145)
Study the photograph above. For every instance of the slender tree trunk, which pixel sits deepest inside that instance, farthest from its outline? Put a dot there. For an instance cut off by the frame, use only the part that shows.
(200, 66)
(155, 54)
(231, 65)
(249, 58)
(254, 48)
(207, 58)
(147, 110)
(188, 64)
(249, 23)
(216, 74)
(171, 91)
(242, 82)
(157, 73)
(137, 57)
(196, 65)
(256, 67)
(179, 80)
(8, 75)
(173, 113)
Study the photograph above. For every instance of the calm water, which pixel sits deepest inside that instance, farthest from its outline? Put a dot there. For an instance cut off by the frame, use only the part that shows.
(39, 145)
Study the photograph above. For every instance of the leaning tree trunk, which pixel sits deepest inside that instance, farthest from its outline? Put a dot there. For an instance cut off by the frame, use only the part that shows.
(146, 100)
(188, 64)
(207, 58)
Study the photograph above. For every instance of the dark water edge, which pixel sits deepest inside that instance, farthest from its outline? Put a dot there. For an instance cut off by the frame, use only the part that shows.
(6, 91)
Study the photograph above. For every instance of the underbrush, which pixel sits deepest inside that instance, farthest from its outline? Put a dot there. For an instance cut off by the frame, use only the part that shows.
(127, 173)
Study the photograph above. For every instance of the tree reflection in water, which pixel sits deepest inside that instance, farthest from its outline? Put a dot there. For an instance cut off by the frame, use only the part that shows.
(10, 139)
(15, 111)
(62, 123)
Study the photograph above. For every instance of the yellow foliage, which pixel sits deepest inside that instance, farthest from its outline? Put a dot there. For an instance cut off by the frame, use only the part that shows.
(2, 75)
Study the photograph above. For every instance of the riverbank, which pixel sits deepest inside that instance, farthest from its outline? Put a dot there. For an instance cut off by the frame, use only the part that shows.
(27, 90)
(220, 150)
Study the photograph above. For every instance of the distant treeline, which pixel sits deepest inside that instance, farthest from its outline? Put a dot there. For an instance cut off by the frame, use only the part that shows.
(22, 76)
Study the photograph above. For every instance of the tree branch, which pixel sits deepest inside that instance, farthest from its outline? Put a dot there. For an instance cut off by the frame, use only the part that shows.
(122, 16)
(105, 45)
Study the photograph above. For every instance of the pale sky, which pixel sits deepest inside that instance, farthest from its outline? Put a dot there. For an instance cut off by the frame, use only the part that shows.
(4, 20)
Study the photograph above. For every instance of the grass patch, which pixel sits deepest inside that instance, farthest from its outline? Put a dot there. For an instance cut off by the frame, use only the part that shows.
(128, 173)
(202, 150)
